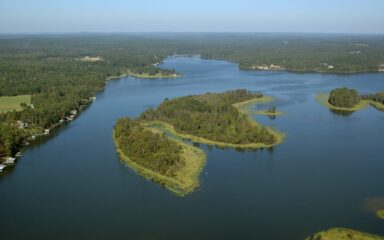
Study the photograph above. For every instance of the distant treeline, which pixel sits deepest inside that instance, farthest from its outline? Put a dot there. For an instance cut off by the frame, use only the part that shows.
(49, 68)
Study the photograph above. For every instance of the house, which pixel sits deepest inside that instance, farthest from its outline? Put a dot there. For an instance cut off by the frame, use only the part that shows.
(46, 131)
(9, 161)
(2, 167)
(22, 124)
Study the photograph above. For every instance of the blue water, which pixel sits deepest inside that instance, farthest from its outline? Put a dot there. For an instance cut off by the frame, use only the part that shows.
(73, 186)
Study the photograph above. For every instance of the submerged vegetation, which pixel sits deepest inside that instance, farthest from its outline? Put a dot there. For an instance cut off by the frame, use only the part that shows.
(212, 118)
(375, 206)
(172, 163)
(343, 234)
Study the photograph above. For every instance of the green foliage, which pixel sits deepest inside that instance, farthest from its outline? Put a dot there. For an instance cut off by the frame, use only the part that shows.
(11, 139)
(344, 97)
(50, 68)
(211, 116)
(148, 149)
(377, 97)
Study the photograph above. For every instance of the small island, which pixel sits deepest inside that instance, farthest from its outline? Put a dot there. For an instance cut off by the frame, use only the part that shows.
(342, 99)
(270, 112)
(219, 119)
(343, 233)
(153, 73)
(174, 164)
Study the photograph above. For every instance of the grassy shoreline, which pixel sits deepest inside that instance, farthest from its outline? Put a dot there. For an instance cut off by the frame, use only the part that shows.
(343, 234)
(377, 105)
(322, 98)
(186, 179)
(243, 107)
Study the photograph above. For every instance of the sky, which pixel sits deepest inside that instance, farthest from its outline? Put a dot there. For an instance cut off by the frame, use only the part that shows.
(313, 16)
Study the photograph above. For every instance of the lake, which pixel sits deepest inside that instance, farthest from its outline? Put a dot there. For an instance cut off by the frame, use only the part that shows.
(73, 186)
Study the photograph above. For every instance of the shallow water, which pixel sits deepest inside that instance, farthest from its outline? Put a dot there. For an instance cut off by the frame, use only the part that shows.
(73, 185)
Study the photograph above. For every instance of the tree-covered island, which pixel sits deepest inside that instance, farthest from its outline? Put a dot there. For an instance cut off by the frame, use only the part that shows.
(217, 119)
(214, 119)
(342, 99)
(349, 100)
(174, 164)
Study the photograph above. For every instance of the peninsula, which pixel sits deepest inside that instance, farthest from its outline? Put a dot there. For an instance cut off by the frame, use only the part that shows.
(172, 163)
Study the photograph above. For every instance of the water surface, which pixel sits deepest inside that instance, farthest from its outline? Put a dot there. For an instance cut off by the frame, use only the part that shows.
(73, 185)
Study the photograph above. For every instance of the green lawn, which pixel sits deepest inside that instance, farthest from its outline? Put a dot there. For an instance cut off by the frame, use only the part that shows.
(13, 103)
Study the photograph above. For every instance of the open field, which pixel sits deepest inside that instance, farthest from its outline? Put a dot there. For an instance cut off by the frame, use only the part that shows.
(13, 103)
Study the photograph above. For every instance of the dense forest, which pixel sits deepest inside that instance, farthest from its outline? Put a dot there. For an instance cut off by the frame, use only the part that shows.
(55, 70)
(150, 150)
(212, 116)
(344, 97)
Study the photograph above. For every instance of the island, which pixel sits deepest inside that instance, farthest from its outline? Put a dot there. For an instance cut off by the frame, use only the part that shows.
(345, 101)
(270, 112)
(153, 146)
(342, 99)
(376, 100)
(152, 73)
(220, 119)
(170, 162)
(343, 233)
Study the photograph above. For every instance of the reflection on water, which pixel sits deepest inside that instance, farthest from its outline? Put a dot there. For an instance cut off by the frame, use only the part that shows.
(341, 112)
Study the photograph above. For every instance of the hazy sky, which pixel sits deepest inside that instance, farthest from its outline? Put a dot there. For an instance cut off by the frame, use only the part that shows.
(345, 16)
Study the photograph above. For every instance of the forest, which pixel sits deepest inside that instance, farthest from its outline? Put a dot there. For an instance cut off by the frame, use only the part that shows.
(212, 116)
(50, 67)
(153, 151)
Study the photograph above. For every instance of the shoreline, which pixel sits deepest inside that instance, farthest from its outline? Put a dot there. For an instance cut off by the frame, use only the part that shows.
(187, 179)
(241, 105)
(322, 98)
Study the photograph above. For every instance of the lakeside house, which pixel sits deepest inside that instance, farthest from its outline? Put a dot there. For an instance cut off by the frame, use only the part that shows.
(46, 131)
(2, 167)
(9, 161)
(21, 124)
